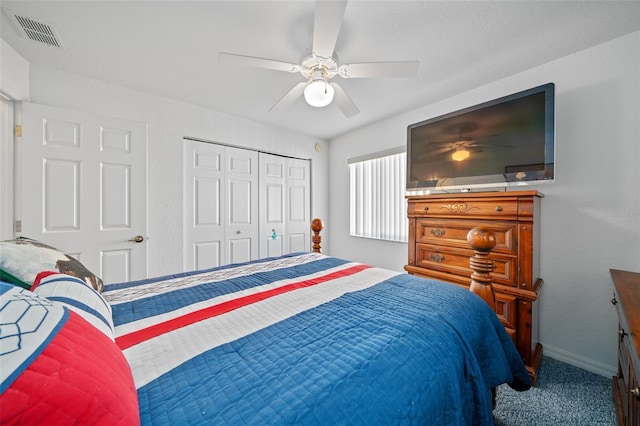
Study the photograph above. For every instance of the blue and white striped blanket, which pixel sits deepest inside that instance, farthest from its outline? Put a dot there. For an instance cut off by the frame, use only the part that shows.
(310, 339)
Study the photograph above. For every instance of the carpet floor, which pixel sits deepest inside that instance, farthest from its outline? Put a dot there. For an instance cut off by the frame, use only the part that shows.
(564, 395)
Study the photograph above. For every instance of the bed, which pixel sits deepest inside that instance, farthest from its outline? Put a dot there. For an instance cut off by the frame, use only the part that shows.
(298, 339)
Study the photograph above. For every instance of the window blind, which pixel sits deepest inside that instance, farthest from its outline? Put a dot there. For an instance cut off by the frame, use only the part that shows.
(378, 207)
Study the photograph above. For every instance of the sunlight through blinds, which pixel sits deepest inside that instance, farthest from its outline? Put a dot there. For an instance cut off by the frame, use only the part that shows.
(377, 187)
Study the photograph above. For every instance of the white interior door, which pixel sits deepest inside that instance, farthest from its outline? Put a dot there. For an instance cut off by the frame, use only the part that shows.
(298, 207)
(82, 188)
(241, 205)
(272, 205)
(204, 200)
(221, 199)
(6, 170)
(284, 205)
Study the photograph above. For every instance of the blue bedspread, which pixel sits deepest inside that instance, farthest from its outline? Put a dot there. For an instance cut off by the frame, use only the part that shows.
(308, 339)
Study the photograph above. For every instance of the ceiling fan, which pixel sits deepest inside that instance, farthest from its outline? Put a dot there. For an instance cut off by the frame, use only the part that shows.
(460, 150)
(321, 66)
(462, 147)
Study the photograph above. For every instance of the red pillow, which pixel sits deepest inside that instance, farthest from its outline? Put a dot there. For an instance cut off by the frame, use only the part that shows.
(59, 369)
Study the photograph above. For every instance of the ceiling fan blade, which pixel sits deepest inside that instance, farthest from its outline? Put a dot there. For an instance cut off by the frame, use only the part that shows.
(251, 61)
(398, 69)
(450, 143)
(326, 26)
(492, 145)
(344, 102)
(441, 150)
(289, 97)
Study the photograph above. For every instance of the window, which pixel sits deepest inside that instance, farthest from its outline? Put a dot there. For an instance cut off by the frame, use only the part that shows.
(377, 188)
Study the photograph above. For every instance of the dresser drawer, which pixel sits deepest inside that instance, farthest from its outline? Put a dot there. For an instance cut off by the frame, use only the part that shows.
(624, 354)
(464, 208)
(453, 233)
(506, 309)
(456, 261)
(512, 334)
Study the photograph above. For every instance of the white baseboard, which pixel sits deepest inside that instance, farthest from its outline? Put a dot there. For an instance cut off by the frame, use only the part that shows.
(580, 361)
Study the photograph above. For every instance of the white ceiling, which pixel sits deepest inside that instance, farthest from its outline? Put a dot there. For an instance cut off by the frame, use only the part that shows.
(170, 48)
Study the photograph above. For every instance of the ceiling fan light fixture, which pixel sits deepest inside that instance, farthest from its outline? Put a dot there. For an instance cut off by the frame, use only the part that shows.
(460, 154)
(318, 93)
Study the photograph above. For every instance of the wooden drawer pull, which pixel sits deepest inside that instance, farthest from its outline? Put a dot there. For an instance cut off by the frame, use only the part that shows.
(437, 257)
(437, 232)
(498, 208)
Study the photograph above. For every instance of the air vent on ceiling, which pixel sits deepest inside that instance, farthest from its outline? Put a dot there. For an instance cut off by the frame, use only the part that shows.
(37, 30)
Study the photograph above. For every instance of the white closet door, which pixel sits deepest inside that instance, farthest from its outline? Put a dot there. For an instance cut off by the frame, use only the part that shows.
(298, 205)
(272, 205)
(285, 203)
(241, 205)
(221, 205)
(82, 188)
(204, 186)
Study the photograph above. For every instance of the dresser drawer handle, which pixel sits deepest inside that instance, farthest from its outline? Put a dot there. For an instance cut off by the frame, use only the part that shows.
(437, 232)
(437, 257)
(636, 393)
(426, 208)
(498, 208)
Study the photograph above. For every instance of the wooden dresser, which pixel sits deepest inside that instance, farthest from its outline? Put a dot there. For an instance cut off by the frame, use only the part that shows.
(438, 248)
(626, 385)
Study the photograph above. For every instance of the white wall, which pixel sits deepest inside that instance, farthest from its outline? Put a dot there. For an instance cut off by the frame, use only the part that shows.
(168, 122)
(590, 215)
(14, 73)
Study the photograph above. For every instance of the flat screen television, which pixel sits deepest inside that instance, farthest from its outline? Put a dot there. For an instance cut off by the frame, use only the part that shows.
(503, 142)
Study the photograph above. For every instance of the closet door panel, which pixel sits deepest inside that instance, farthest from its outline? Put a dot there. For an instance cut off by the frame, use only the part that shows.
(241, 228)
(272, 205)
(241, 205)
(298, 207)
(204, 190)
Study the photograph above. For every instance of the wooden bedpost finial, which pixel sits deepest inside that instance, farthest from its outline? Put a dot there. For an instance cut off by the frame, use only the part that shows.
(482, 241)
(316, 227)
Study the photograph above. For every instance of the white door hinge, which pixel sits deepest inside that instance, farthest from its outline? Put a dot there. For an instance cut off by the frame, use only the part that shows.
(18, 130)
(18, 226)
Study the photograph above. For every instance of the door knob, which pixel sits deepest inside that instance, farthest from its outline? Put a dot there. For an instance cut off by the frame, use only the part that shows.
(136, 239)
